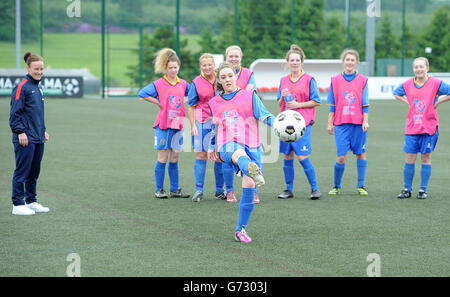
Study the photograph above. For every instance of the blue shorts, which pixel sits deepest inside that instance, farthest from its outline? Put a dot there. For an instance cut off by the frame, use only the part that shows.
(350, 137)
(301, 147)
(168, 139)
(202, 141)
(420, 143)
(255, 154)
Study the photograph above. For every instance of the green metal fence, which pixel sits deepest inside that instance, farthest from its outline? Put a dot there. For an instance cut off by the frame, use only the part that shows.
(108, 54)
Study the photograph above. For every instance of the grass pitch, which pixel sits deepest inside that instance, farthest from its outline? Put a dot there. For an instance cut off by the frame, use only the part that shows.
(69, 50)
(97, 179)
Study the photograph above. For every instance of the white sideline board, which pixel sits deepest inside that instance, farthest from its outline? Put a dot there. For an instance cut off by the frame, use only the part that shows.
(268, 73)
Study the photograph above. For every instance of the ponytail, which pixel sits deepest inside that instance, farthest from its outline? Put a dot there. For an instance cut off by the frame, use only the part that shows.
(30, 58)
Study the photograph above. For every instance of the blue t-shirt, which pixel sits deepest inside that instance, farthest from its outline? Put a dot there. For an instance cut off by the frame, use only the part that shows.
(444, 89)
(260, 112)
(314, 93)
(365, 96)
(192, 95)
(150, 91)
(251, 80)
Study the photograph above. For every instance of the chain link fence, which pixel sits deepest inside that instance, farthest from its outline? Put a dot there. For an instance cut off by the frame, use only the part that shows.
(69, 33)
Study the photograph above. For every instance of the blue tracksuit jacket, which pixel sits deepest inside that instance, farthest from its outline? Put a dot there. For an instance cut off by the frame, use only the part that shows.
(27, 111)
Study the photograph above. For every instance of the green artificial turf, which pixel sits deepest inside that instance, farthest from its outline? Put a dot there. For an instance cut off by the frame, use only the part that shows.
(97, 179)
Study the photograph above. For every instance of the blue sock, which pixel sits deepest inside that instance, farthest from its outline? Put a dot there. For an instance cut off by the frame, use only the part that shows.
(218, 174)
(289, 174)
(425, 174)
(361, 168)
(338, 173)
(310, 172)
(245, 208)
(408, 175)
(228, 176)
(173, 175)
(243, 162)
(199, 173)
(160, 171)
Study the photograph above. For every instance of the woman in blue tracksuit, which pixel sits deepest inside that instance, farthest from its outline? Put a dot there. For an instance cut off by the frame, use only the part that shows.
(27, 124)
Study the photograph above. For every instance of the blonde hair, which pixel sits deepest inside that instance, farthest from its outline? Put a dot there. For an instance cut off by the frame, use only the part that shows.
(205, 56)
(422, 59)
(350, 51)
(231, 48)
(162, 59)
(30, 58)
(219, 87)
(295, 49)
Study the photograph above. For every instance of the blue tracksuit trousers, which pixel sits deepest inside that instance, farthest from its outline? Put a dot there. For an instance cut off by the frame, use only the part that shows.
(28, 166)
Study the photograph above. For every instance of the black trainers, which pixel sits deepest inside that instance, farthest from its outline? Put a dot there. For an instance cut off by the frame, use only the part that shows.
(315, 194)
(404, 194)
(198, 196)
(286, 194)
(179, 194)
(160, 194)
(221, 196)
(422, 194)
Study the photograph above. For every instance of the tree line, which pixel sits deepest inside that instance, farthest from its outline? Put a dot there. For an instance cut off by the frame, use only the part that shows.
(265, 31)
(264, 28)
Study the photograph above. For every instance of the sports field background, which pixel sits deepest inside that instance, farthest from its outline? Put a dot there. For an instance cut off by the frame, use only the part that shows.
(75, 51)
(97, 179)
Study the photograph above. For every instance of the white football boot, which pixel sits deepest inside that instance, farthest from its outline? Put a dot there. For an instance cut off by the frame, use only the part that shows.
(22, 210)
(37, 207)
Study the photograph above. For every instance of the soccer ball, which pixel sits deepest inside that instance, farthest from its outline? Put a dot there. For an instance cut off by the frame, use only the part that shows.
(289, 126)
(70, 87)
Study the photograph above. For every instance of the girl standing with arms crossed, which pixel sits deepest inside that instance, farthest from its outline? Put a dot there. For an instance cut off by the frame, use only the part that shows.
(168, 93)
(202, 89)
(245, 81)
(348, 119)
(298, 91)
(421, 94)
(236, 113)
